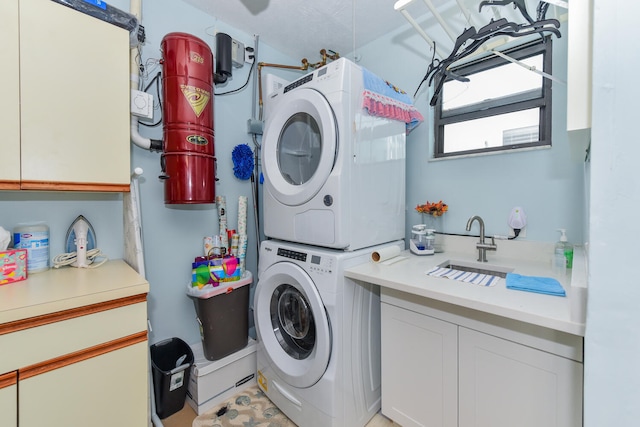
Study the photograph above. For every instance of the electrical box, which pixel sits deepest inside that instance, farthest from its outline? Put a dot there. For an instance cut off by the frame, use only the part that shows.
(237, 53)
(141, 104)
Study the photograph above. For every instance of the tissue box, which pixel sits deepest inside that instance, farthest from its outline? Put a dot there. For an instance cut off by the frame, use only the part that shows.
(13, 265)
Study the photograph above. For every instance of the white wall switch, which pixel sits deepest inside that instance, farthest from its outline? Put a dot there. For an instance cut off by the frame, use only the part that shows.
(141, 104)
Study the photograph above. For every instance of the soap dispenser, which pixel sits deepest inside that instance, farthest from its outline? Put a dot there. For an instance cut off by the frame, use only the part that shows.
(564, 249)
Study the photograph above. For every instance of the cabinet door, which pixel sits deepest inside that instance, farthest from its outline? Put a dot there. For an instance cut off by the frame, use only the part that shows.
(419, 369)
(74, 83)
(504, 384)
(579, 66)
(110, 389)
(9, 399)
(9, 97)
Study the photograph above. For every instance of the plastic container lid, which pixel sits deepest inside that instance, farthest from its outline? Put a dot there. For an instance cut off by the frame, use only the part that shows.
(209, 290)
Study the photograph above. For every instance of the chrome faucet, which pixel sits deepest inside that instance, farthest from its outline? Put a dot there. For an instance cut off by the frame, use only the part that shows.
(481, 245)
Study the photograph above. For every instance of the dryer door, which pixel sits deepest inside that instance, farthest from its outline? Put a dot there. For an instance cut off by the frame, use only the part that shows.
(292, 324)
(299, 146)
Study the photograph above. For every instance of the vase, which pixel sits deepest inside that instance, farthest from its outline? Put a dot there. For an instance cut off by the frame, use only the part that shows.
(435, 223)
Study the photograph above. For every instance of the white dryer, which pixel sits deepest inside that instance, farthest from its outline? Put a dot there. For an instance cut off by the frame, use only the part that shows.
(334, 175)
(318, 334)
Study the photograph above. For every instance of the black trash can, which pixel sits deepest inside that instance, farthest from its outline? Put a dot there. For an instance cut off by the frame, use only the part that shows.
(171, 361)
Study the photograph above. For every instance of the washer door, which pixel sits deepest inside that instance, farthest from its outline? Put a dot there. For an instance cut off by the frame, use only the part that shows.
(299, 146)
(292, 324)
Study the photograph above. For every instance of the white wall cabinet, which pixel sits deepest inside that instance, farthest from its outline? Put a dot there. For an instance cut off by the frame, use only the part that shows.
(579, 65)
(443, 366)
(579, 80)
(10, 95)
(69, 128)
(86, 365)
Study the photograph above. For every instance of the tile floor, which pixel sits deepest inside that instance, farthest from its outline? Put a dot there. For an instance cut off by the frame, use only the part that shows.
(185, 417)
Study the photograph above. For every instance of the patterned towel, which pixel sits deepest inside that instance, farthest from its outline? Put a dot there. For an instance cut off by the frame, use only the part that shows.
(383, 99)
(464, 276)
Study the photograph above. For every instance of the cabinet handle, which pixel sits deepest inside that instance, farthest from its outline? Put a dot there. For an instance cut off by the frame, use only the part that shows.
(33, 322)
(79, 356)
(8, 379)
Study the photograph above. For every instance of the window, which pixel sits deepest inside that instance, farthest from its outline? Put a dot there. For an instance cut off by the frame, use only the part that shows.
(504, 106)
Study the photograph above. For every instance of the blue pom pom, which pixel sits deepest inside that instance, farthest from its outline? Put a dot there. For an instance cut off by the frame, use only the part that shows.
(242, 157)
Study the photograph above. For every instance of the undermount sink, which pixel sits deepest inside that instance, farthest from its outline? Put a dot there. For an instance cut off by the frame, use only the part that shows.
(476, 267)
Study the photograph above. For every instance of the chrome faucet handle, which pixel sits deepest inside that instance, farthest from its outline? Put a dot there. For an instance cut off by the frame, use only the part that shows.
(482, 246)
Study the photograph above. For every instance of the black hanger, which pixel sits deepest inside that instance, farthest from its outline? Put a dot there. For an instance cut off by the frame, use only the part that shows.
(517, 4)
(438, 70)
(541, 10)
(494, 26)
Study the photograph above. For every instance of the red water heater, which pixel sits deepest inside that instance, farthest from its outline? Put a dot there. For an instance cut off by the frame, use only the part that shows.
(188, 162)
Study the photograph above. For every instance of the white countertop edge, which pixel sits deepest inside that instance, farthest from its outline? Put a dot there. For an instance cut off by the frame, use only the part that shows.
(67, 288)
(510, 313)
(553, 312)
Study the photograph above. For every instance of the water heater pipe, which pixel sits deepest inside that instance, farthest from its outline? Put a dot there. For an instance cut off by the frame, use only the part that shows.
(142, 142)
(136, 10)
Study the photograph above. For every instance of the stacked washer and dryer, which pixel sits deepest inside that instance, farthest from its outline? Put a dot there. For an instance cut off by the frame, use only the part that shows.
(334, 192)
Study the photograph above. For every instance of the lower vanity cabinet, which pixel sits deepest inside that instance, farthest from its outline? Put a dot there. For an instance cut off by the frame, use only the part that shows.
(505, 384)
(9, 399)
(106, 390)
(444, 366)
(83, 366)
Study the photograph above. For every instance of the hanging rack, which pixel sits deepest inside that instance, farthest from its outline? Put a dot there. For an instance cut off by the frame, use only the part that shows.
(471, 19)
(528, 67)
(471, 42)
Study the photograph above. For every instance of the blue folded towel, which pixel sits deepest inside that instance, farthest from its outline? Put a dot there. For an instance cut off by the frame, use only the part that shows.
(376, 84)
(542, 285)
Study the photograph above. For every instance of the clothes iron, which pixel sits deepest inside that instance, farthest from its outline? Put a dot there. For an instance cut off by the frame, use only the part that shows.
(80, 238)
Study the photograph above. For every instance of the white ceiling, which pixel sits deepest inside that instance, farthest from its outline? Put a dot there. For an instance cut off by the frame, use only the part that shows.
(301, 28)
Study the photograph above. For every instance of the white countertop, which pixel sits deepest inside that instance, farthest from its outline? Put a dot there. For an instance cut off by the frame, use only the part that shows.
(68, 287)
(526, 258)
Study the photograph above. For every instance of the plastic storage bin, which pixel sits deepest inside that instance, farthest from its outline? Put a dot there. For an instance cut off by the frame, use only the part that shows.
(171, 361)
(213, 382)
(223, 314)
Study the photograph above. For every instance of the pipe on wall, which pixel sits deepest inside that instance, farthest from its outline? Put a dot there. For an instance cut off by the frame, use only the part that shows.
(135, 9)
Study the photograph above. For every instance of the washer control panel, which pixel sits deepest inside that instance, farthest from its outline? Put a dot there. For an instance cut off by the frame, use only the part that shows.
(314, 263)
(321, 264)
(287, 253)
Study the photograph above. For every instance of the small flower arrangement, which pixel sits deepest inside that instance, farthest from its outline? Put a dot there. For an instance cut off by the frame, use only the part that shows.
(434, 209)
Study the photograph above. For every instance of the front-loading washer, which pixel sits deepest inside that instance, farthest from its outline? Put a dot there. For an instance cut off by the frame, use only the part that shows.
(318, 353)
(334, 175)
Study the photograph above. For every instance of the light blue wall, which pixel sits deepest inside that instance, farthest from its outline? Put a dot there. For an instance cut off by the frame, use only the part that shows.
(547, 184)
(172, 233)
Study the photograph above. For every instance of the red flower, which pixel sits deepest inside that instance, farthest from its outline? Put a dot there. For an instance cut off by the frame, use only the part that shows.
(435, 209)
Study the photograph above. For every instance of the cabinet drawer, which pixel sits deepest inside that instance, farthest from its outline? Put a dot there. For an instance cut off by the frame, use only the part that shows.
(9, 399)
(51, 340)
(110, 390)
